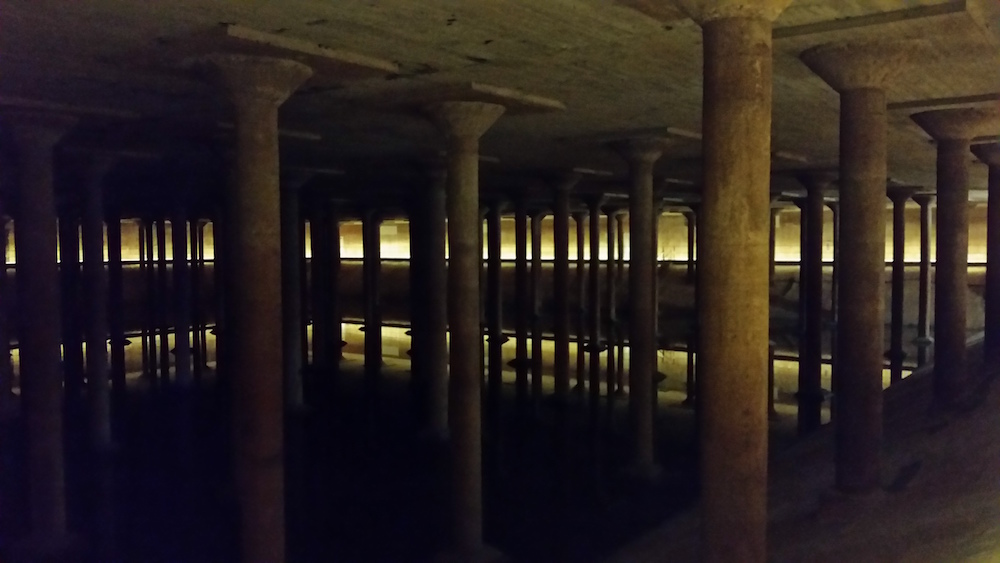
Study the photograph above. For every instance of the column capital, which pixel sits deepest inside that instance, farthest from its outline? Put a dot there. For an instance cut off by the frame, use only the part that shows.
(860, 65)
(988, 153)
(703, 11)
(642, 151)
(900, 194)
(254, 79)
(463, 121)
(923, 199)
(563, 181)
(36, 130)
(959, 124)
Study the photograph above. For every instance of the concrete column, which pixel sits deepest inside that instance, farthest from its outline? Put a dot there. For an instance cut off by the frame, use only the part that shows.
(691, 221)
(7, 403)
(810, 394)
(594, 297)
(324, 343)
(462, 124)
(834, 300)
(859, 72)
(611, 296)
(292, 251)
(69, 293)
(371, 222)
(990, 155)
(620, 280)
(924, 289)
(899, 197)
(162, 307)
(39, 330)
(146, 242)
(560, 285)
(433, 326)
(642, 156)
(95, 286)
(494, 313)
(772, 241)
(332, 307)
(536, 304)
(733, 276)
(580, 218)
(257, 86)
(522, 300)
(182, 300)
(953, 131)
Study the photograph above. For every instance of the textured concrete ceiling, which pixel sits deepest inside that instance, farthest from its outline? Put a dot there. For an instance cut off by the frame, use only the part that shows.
(617, 67)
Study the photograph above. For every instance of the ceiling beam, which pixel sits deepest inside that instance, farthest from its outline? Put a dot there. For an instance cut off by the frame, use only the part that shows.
(881, 18)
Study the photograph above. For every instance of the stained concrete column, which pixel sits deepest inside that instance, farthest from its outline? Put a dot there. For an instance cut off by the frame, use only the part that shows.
(494, 311)
(333, 312)
(433, 356)
(522, 319)
(642, 156)
(7, 403)
(95, 285)
(610, 298)
(990, 155)
(594, 298)
(924, 289)
(953, 130)
(462, 124)
(325, 344)
(69, 293)
(859, 72)
(257, 86)
(733, 275)
(371, 223)
(691, 222)
(292, 251)
(620, 277)
(39, 330)
(182, 306)
(536, 307)
(162, 306)
(560, 284)
(810, 393)
(580, 218)
(899, 197)
(834, 301)
(772, 241)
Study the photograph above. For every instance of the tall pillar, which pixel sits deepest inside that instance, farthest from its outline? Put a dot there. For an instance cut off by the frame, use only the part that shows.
(181, 310)
(257, 86)
(733, 275)
(953, 130)
(580, 218)
(641, 156)
(620, 277)
(149, 318)
(39, 322)
(536, 307)
(292, 251)
(69, 273)
(522, 300)
(462, 124)
(325, 344)
(95, 285)
(560, 285)
(834, 300)
(990, 155)
(899, 197)
(594, 297)
(195, 280)
(691, 222)
(162, 304)
(772, 241)
(611, 296)
(494, 311)
(860, 72)
(810, 394)
(924, 289)
(371, 223)
(6, 363)
(333, 311)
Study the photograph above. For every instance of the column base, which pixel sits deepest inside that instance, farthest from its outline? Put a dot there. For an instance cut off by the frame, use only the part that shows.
(483, 554)
(48, 549)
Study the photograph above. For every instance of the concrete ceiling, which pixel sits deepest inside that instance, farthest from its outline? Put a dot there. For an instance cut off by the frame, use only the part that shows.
(618, 68)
